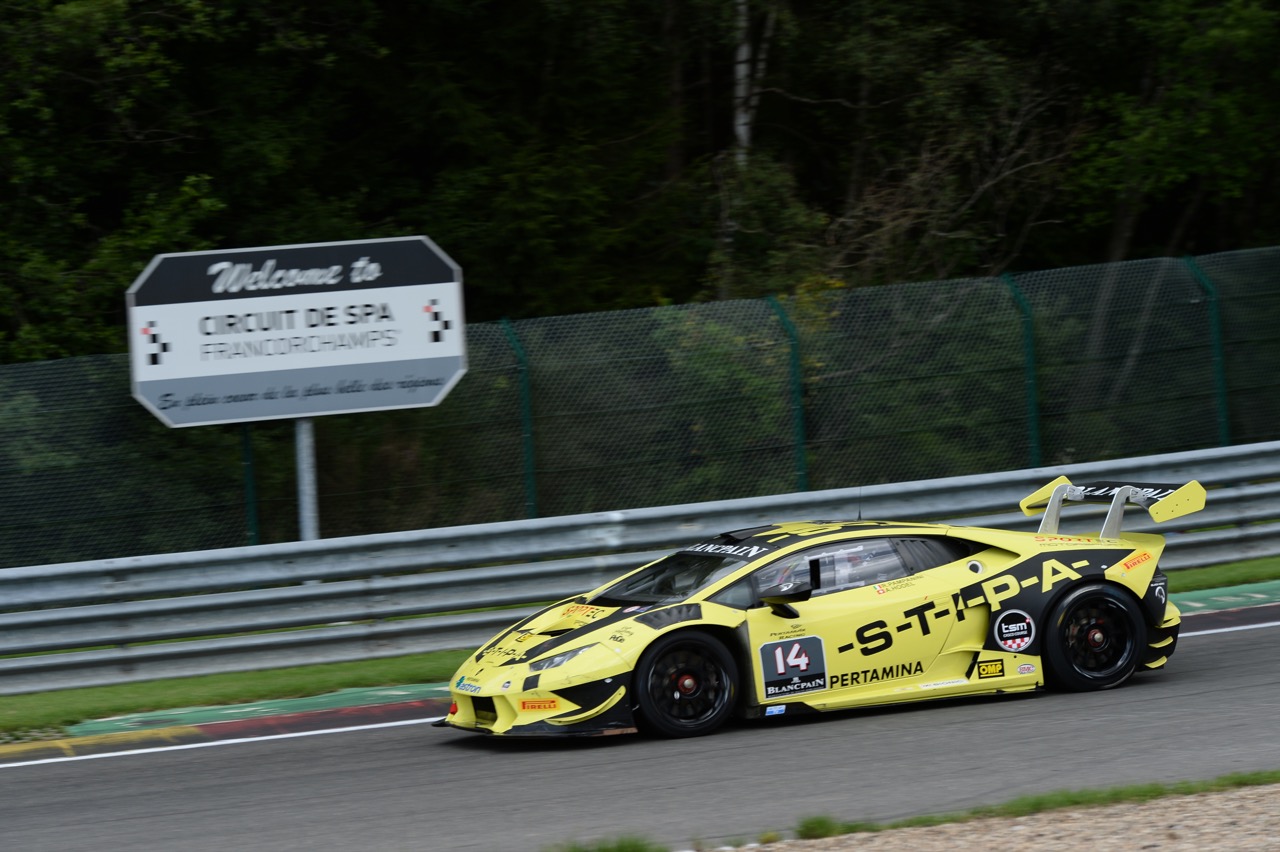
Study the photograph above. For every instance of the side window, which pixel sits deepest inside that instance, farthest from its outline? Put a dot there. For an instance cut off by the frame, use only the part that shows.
(740, 595)
(852, 564)
(789, 569)
(921, 554)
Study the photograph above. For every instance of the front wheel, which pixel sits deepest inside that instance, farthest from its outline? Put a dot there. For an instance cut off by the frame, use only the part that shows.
(685, 684)
(1095, 639)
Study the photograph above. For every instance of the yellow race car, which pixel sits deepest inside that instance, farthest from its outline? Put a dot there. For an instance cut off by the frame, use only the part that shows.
(802, 617)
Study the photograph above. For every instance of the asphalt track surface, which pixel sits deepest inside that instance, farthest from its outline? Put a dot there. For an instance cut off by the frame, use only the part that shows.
(411, 786)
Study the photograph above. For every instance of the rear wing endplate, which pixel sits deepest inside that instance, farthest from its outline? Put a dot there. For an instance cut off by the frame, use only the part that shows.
(1162, 502)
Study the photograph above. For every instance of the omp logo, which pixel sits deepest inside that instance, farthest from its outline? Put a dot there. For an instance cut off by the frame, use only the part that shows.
(990, 668)
(153, 337)
(1136, 561)
(539, 704)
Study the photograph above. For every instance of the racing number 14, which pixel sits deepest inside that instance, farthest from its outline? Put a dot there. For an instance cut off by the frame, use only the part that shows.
(795, 658)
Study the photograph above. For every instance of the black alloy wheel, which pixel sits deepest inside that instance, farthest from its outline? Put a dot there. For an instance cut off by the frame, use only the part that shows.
(1095, 641)
(685, 684)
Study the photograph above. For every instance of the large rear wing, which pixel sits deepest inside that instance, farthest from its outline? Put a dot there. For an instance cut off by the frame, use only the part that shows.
(1162, 502)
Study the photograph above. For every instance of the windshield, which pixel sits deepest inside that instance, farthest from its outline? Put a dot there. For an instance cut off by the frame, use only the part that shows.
(671, 578)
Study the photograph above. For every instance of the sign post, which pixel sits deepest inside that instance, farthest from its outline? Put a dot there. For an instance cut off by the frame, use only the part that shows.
(296, 331)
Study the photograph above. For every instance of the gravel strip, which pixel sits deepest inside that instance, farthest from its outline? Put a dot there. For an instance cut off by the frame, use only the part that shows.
(1247, 818)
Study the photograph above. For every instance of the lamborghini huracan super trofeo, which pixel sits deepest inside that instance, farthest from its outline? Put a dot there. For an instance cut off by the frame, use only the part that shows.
(800, 617)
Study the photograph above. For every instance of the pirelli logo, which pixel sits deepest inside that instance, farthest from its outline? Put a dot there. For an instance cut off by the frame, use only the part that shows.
(539, 704)
(990, 668)
(1136, 561)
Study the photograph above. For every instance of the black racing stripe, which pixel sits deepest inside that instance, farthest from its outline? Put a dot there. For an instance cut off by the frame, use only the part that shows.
(571, 636)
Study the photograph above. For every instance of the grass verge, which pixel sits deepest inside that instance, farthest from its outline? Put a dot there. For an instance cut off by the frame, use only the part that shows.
(44, 715)
(1221, 576)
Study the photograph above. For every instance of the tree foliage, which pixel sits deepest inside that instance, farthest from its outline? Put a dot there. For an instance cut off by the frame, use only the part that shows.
(576, 157)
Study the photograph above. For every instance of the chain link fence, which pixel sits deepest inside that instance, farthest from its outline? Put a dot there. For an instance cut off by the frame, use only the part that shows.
(680, 404)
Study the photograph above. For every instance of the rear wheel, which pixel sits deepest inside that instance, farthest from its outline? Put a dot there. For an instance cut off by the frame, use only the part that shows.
(1095, 640)
(685, 684)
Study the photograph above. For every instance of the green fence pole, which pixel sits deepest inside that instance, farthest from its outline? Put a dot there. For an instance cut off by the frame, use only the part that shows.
(1028, 369)
(250, 487)
(1219, 356)
(526, 420)
(797, 397)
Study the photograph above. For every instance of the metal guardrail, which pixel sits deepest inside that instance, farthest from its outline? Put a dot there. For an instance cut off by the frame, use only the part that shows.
(146, 617)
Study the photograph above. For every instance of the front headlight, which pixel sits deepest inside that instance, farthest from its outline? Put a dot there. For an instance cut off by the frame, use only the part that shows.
(558, 660)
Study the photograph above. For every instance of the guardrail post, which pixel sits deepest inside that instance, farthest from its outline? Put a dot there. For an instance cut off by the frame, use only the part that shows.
(1219, 358)
(526, 420)
(797, 396)
(1032, 390)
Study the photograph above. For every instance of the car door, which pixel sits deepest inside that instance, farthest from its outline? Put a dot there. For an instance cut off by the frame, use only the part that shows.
(870, 625)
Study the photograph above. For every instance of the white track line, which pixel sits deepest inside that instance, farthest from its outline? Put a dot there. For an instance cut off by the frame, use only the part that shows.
(1229, 629)
(212, 743)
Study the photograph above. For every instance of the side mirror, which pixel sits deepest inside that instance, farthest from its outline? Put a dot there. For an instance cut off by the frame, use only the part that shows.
(781, 597)
(785, 593)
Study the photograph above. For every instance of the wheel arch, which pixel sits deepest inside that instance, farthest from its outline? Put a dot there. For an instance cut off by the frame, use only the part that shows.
(733, 641)
(1051, 603)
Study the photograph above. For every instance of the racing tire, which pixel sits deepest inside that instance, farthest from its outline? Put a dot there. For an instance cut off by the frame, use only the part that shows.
(686, 685)
(1096, 639)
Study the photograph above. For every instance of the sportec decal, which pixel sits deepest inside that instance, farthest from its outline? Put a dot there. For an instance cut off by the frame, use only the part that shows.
(793, 666)
(1014, 630)
(990, 668)
(583, 612)
(1064, 539)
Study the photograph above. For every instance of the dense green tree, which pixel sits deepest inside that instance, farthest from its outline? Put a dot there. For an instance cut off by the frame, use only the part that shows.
(620, 153)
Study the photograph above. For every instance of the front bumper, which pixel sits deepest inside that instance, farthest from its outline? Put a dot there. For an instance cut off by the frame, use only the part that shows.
(597, 708)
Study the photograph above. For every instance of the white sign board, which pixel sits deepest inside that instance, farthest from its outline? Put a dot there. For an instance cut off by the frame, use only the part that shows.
(296, 331)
